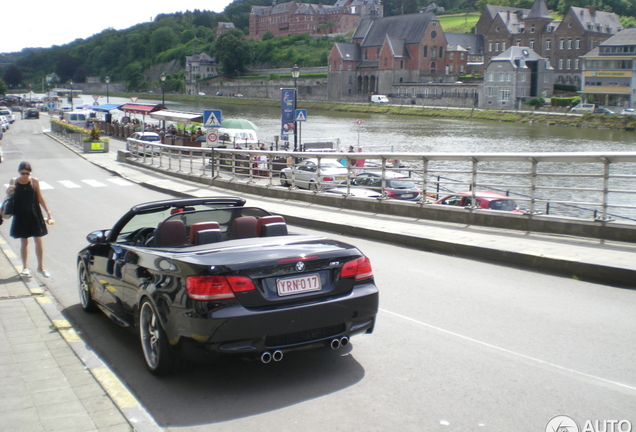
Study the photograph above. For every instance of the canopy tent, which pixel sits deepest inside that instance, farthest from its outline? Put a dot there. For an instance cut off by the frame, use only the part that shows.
(135, 108)
(177, 116)
(105, 108)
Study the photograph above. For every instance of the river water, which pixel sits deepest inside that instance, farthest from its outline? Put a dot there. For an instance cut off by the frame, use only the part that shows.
(415, 134)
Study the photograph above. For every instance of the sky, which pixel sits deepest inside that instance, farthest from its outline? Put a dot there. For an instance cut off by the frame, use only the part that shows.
(44, 24)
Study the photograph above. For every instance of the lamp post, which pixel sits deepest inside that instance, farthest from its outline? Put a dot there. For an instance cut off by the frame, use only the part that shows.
(295, 71)
(163, 95)
(71, 96)
(107, 82)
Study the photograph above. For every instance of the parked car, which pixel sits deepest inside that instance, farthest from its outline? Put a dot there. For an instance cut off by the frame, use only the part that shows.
(306, 174)
(396, 185)
(381, 99)
(134, 145)
(4, 123)
(603, 111)
(355, 192)
(583, 108)
(205, 278)
(32, 113)
(4, 111)
(628, 111)
(485, 200)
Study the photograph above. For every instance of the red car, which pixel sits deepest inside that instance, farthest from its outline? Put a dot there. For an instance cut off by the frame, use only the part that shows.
(485, 200)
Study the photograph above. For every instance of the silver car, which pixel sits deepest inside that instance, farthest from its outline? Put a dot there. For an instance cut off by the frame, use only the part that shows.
(309, 174)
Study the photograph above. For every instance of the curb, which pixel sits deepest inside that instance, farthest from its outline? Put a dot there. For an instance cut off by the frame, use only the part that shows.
(129, 406)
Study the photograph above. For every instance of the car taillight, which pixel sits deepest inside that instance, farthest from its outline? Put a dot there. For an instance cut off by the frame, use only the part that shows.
(359, 268)
(389, 193)
(328, 179)
(217, 287)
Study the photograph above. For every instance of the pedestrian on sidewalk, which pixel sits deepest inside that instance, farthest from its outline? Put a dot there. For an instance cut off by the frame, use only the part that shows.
(28, 220)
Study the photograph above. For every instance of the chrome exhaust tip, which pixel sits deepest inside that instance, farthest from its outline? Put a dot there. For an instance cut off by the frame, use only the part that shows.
(335, 344)
(344, 341)
(277, 355)
(266, 357)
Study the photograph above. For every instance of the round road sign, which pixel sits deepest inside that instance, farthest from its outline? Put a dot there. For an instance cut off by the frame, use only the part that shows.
(212, 137)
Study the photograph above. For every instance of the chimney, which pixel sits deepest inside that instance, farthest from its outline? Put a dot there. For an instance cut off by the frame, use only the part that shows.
(592, 10)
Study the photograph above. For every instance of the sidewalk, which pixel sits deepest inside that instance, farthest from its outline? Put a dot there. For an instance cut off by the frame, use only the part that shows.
(45, 386)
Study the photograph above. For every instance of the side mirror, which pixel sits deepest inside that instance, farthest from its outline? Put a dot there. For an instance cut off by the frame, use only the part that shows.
(96, 237)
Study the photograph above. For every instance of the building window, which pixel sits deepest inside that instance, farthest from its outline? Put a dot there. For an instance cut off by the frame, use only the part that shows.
(518, 42)
(425, 53)
(461, 56)
(560, 64)
(532, 28)
(531, 44)
(451, 56)
(504, 95)
(401, 64)
(568, 64)
(561, 43)
(491, 91)
(503, 46)
(496, 46)
(577, 43)
(489, 46)
(576, 64)
(548, 44)
(569, 44)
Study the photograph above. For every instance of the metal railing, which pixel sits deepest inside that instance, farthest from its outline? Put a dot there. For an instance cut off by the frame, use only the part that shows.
(593, 186)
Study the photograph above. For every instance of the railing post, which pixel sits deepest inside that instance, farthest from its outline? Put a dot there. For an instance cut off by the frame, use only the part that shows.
(533, 187)
(606, 171)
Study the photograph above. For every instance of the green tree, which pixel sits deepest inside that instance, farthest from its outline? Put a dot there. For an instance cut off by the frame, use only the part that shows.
(13, 76)
(134, 76)
(66, 67)
(162, 39)
(232, 51)
(3, 87)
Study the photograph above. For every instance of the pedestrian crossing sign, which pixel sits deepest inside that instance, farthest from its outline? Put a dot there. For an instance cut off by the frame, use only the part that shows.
(212, 118)
(301, 115)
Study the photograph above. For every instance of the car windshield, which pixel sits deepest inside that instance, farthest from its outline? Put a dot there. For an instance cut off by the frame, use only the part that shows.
(401, 184)
(505, 205)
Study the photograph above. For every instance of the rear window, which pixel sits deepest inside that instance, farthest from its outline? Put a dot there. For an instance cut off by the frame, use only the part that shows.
(505, 205)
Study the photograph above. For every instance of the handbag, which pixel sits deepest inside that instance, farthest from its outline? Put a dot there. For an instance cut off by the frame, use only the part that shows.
(7, 207)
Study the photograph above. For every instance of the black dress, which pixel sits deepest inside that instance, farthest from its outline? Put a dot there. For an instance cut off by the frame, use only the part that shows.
(27, 214)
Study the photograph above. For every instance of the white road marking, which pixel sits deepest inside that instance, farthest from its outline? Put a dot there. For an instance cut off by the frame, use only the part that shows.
(534, 359)
(94, 183)
(120, 181)
(69, 184)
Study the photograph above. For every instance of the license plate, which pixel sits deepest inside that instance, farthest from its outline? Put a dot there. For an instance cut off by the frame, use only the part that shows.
(298, 285)
(408, 196)
(341, 178)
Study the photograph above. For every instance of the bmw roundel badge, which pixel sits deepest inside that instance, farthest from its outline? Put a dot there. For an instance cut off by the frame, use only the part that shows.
(300, 266)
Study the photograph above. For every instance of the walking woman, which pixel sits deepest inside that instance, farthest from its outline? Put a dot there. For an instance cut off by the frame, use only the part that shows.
(27, 216)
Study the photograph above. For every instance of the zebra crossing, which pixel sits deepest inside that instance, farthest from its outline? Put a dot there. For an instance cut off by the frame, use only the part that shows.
(77, 184)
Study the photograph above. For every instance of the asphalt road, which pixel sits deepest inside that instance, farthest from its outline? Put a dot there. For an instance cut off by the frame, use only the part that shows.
(459, 345)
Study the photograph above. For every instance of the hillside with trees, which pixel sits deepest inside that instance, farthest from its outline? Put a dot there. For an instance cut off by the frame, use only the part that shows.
(128, 55)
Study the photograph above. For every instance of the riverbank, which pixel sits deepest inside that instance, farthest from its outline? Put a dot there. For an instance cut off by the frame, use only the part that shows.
(544, 116)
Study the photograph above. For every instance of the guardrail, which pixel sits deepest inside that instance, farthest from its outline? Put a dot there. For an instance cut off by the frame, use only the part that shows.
(587, 186)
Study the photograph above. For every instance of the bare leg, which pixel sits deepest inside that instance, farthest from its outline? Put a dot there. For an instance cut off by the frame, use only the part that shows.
(24, 243)
(39, 252)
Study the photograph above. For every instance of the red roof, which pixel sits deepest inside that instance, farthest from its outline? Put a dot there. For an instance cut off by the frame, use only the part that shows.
(140, 108)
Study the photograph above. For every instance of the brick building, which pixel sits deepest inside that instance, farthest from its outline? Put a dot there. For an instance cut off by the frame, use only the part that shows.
(296, 18)
(562, 42)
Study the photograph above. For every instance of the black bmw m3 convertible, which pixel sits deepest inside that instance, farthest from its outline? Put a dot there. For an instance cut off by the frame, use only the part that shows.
(201, 278)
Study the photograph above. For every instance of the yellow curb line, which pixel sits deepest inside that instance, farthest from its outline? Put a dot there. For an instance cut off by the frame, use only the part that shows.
(114, 387)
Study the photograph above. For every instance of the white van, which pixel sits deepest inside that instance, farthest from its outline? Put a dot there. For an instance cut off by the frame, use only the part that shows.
(583, 108)
(235, 137)
(379, 99)
(77, 118)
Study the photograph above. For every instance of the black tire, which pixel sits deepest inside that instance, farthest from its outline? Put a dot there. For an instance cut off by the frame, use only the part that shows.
(159, 358)
(84, 289)
(313, 186)
(283, 180)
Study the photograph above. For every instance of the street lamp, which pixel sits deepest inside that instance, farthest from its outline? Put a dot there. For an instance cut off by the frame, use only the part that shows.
(107, 82)
(71, 82)
(295, 71)
(163, 95)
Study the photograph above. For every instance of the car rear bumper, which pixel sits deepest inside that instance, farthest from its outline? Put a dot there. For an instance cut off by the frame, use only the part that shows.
(236, 330)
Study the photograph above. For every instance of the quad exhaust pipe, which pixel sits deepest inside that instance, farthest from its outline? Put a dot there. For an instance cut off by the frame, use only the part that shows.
(267, 357)
(339, 343)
